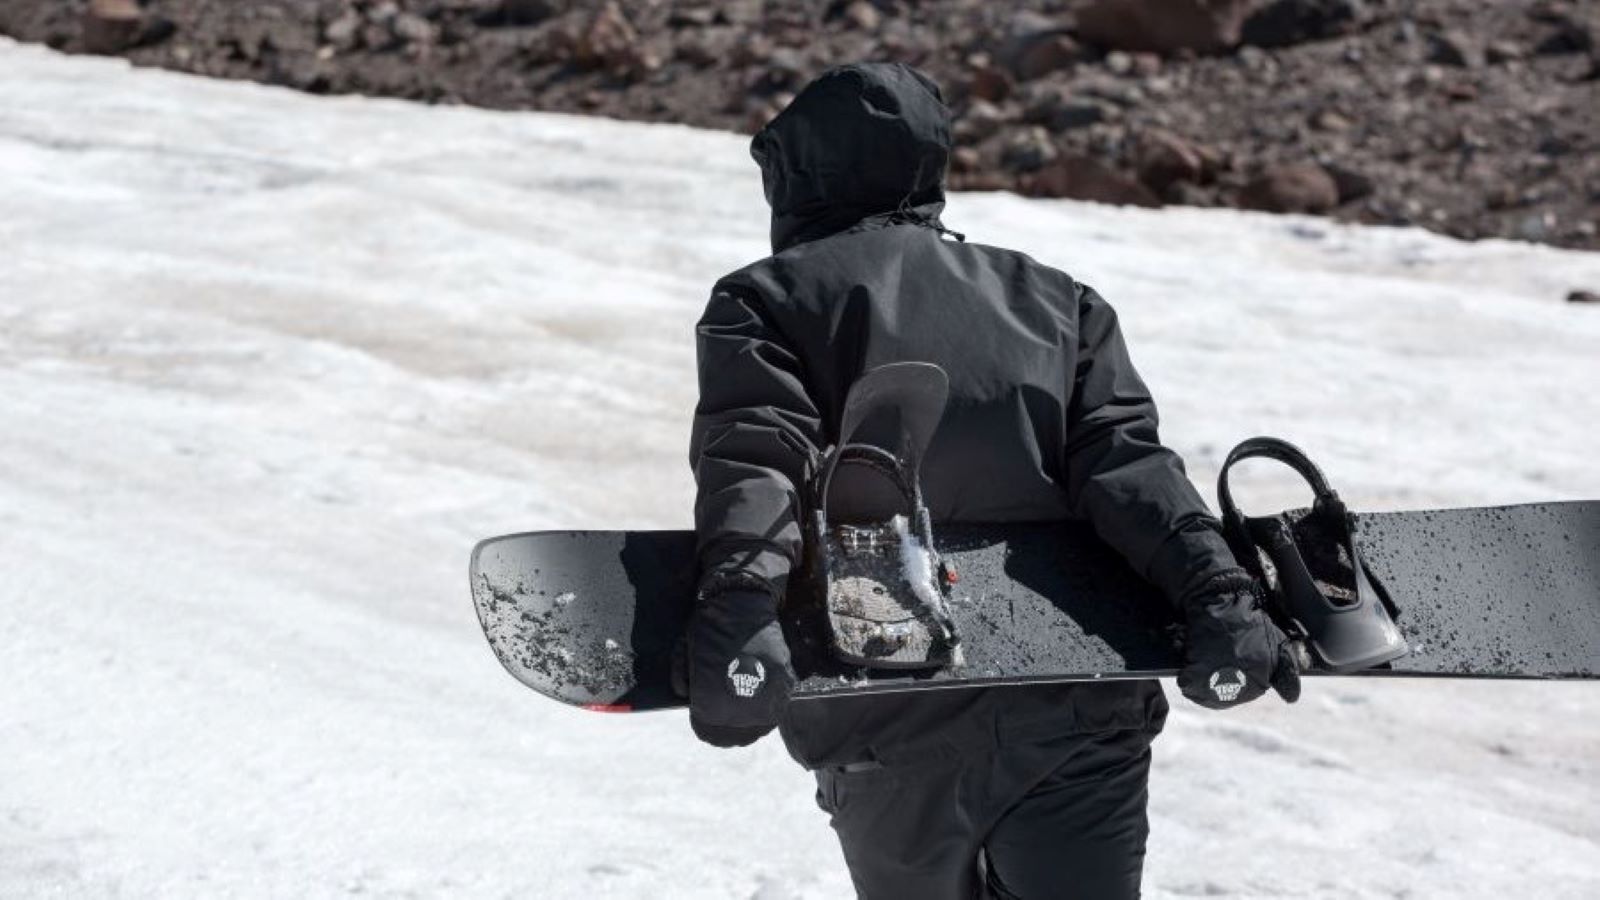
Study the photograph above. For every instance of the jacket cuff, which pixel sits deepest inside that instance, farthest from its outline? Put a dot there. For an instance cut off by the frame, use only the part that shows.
(1189, 560)
(725, 581)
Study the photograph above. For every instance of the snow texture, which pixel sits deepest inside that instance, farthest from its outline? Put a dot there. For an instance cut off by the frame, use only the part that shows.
(270, 364)
(916, 567)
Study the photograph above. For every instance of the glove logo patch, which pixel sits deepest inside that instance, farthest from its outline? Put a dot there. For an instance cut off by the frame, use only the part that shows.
(744, 683)
(1227, 691)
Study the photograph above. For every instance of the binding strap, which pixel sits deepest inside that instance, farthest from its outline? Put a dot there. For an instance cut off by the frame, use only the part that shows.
(1327, 499)
(883, 461)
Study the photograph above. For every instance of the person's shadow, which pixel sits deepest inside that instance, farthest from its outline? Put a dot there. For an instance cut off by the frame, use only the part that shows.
(1097, 614)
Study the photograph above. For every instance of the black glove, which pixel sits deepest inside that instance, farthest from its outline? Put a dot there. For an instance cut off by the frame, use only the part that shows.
(739, 674)
(1235, 652)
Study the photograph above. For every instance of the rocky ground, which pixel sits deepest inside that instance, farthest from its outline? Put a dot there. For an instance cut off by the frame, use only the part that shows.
(1476, 119)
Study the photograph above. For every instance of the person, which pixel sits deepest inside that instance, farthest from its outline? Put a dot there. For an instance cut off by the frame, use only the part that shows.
(1035, 791)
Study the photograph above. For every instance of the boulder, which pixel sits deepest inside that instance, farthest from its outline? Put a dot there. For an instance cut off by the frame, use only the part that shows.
(1452, 47)
(978, 122)
(344, 32)
(1079, 177)
(705, 47)
(1060, 108)
(784, 69)
(1027, 149)
(414, 29)
(1046, 55)
(863, 16)
(692, 17)
(1351, 184)
(1036, 45)
(1567, 36)
(990, 83)
(1503, 51)
(1163, 159)
(1291, 188)
(986, 179)
(1283, 23)
(519, 12)
(112, 26)
(607, 40)
(1163, 26)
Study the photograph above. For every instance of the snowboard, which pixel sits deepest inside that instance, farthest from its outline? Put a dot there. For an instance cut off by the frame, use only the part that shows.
(593, 618)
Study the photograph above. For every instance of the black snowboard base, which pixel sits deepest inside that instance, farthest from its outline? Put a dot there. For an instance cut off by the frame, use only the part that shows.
(591, 618)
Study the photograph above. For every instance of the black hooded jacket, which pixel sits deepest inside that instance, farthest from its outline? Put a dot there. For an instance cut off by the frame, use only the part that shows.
(1047, 418)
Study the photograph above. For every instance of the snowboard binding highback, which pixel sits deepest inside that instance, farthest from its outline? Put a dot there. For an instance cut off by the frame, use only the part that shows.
(871, 536)
(1310, 562)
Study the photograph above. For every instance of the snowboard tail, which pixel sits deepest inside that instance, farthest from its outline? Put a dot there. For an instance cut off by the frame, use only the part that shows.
(592, 618)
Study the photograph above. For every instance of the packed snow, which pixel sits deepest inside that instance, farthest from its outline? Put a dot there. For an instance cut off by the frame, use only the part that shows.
(270, 364)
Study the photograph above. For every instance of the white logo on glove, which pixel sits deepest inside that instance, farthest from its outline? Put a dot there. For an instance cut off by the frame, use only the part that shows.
(1227, 691)
(746, 685)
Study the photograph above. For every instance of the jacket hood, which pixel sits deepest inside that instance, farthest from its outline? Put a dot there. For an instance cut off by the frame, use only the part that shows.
(860, 140)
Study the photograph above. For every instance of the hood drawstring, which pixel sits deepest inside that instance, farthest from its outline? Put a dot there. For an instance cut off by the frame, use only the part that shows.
(906, 213)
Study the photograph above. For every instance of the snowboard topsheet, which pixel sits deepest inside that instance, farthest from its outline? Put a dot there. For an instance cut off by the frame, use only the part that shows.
(591, 618)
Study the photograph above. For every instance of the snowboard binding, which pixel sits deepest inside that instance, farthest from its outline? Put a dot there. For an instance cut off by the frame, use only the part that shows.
(1310, 563)
(873, 557)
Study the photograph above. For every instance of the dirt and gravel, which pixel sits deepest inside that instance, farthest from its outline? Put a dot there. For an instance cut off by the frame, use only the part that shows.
(1471, 118)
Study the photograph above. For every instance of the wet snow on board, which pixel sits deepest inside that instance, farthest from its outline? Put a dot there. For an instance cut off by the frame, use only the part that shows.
(270, 364)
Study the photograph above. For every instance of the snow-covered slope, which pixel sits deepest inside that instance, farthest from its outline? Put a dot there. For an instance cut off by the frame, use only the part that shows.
(269, 365)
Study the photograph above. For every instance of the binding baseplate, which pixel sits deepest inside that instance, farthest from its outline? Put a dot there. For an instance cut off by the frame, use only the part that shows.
(886, 591)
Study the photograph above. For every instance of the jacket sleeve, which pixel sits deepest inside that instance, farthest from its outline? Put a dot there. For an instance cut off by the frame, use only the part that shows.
(755, 431)
(1129, 487)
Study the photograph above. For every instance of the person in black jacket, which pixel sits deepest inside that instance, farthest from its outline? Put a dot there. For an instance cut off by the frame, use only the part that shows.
(1030, 791)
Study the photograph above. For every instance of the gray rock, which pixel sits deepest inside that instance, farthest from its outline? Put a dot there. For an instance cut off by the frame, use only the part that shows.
(414, 29)
(863, 15)
(345, 31)
(1028, 150)
(1537, 227)
(980, 120)
(1061, 109)
(1503, 51)
(692, 17)
(1453, 48)
(1036, 45)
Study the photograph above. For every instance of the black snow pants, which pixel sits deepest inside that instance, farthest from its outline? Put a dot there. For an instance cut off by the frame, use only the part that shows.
(1058, 817)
